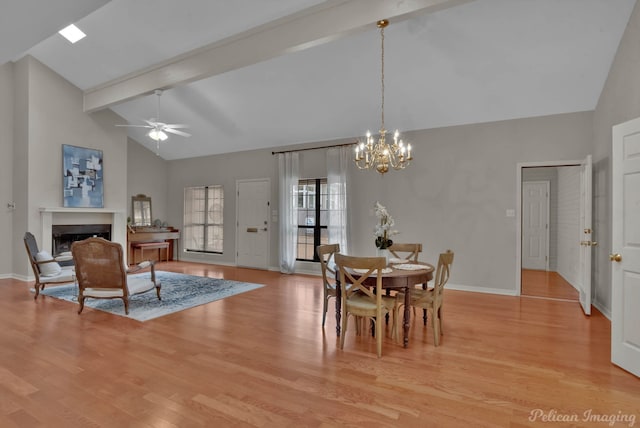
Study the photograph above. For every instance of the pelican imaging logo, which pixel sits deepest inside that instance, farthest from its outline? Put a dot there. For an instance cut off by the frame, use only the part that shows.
(610, 419)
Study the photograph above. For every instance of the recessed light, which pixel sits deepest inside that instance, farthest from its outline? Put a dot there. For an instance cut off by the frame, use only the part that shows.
(72, 33)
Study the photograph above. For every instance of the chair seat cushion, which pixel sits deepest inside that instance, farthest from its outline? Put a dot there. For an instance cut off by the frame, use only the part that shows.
(67, 274)
(64, 256)
(139, 285)
(102, 292)
(48, 269)
(421, 296)
(360, 302)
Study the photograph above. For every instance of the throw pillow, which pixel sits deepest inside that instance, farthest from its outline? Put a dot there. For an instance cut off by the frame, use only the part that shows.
(48, 269)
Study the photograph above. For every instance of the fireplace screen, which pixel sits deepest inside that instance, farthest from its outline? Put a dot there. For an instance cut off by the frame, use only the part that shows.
(65, 235)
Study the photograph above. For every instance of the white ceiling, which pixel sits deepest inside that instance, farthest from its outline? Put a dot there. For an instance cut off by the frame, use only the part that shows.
(476, 61)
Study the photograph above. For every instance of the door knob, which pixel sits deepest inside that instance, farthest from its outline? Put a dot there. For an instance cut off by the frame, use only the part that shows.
(615, 257)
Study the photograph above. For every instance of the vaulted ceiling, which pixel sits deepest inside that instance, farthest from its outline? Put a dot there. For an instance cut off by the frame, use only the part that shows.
(248, 74)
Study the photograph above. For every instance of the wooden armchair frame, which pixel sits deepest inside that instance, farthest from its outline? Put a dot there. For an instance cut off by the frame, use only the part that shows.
(65, 276)
(102, 274)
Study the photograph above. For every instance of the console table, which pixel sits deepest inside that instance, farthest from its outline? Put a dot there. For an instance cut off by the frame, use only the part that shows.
(149, 235)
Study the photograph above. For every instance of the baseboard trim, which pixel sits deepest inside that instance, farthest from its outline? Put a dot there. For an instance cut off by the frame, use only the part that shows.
(476, 289)
(604, 311)
(17, 277)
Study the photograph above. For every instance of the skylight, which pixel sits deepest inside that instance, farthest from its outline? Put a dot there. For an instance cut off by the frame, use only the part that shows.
(72, 33)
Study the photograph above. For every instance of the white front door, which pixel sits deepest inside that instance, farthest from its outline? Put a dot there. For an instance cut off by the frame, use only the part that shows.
(625, 246)
(584, 286)
(535, 225)
(253, 223)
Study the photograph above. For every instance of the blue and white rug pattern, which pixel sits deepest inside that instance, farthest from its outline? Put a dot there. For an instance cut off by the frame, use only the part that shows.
(178, 291)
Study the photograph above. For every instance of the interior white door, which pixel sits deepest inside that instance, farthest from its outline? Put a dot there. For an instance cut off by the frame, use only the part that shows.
(253, 223)
(625, 243)
(535, 225)
(584, 285)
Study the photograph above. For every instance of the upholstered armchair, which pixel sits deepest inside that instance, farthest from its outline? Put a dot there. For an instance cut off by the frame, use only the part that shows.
(102, 274)
(46, 268)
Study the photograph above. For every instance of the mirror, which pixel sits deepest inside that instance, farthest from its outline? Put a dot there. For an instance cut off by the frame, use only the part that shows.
(141, 210)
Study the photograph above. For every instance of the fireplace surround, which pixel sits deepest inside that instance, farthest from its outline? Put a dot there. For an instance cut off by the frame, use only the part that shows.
(49, 217)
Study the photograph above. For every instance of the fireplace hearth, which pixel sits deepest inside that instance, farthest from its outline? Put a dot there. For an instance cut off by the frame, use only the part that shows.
(65, 235)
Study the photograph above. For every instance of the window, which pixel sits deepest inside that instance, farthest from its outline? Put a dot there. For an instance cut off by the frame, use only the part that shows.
(203, 225)
(312, 217)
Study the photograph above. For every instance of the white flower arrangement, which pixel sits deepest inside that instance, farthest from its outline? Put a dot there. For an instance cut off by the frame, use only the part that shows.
(383, 227)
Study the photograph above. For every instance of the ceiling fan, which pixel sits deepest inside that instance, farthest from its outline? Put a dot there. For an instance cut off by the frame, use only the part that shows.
(158, 130)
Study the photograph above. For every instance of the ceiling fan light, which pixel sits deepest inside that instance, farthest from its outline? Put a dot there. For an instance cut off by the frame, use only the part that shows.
(157, 135)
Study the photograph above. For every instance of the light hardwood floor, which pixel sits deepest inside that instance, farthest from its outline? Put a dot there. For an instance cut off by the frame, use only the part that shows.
(540, 283)
(262, 359)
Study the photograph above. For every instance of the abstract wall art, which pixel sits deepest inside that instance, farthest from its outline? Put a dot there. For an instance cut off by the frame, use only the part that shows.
(82, 177)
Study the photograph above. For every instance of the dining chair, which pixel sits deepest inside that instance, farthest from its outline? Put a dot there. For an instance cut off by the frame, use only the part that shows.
(358, 298)
(327, 263)
(407, 252)
(102, 273)
(46, 268)
(430, 299)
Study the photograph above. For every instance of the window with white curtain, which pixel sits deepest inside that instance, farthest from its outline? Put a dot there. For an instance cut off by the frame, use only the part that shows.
(203, 219)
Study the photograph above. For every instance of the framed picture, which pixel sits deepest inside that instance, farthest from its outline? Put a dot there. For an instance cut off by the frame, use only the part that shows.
(82, 177)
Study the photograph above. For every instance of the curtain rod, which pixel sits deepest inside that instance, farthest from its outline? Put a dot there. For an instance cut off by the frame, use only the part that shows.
(315, 148)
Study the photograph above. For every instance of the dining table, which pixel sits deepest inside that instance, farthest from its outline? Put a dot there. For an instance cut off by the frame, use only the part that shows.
(402, 277)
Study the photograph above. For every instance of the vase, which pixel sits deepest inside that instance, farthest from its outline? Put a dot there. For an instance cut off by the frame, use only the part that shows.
(383, 252)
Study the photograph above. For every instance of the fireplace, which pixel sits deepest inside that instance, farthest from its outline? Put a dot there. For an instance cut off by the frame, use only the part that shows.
(63, 235)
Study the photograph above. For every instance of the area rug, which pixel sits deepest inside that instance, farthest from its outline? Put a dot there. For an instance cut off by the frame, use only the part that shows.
(178, 292)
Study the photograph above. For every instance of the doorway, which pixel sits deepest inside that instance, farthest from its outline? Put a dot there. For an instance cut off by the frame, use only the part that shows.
(550, 218)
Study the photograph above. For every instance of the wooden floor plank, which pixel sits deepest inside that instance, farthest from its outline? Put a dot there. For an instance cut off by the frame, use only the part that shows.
(261, 358)
(540, 283)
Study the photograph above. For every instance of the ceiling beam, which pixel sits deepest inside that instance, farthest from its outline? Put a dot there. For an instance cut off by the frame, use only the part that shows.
(313, 26)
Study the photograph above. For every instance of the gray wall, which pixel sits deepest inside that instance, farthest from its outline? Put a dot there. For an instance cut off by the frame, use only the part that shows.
(454, 195)
(619, 102)
(147, 174)
(49, 113)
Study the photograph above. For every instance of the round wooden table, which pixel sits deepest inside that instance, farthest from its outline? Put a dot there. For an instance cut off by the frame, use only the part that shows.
(397, 279)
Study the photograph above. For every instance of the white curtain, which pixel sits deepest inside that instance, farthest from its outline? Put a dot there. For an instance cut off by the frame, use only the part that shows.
(338, 171)
(288, 186)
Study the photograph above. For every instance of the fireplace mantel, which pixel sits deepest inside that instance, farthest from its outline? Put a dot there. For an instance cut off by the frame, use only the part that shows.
(118, 223)
(78, 210)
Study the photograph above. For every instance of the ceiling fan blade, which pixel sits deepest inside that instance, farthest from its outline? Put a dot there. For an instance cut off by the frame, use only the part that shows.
(151, 123)
(175, 131)
(176, 125)
(136, 126)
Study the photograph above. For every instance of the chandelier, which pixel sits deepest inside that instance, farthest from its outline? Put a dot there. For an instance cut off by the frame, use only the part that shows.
(381, 155)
